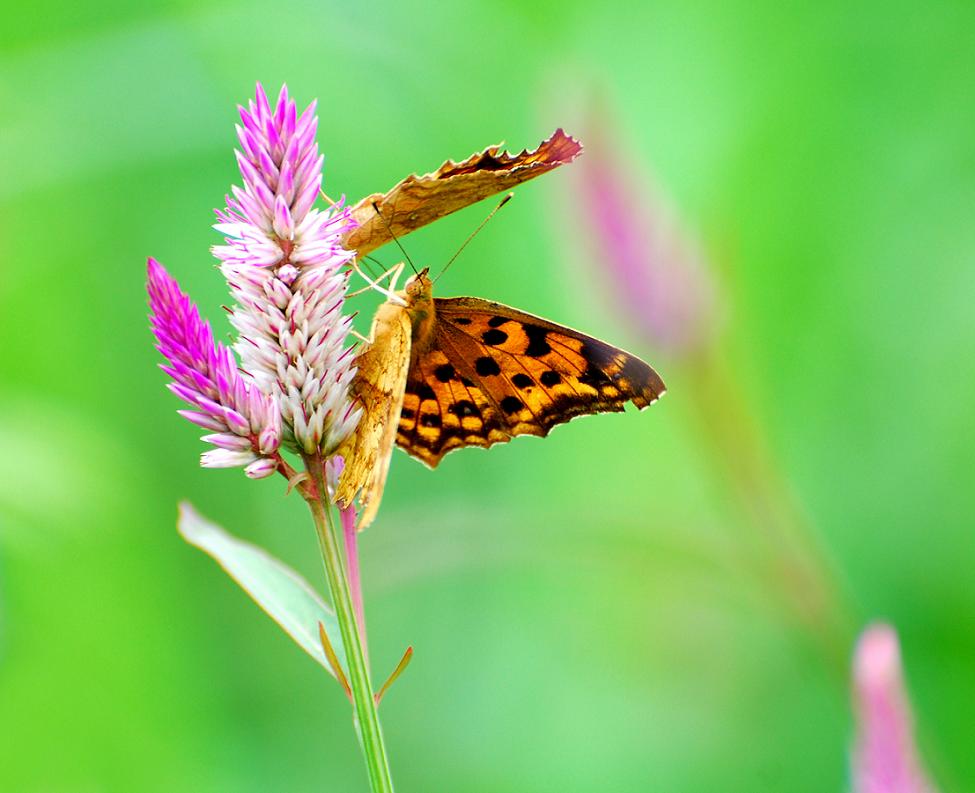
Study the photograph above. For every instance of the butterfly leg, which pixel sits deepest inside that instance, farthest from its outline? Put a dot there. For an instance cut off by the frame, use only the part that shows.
(390, 292)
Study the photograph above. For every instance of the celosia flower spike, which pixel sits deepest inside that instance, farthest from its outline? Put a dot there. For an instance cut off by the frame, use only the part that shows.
(285, 265)
(245, 424)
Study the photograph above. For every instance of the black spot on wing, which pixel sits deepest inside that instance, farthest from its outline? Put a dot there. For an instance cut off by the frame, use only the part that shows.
(464, 408)
(444, 373)
(487, 366)
(425, 392)
(537, 343)
(550, 378)
(496, 322)
(407, 413)
(594, 377)
(511, 404)
(494, 337)
(430, 420)
(521, 380)
(597, 357)
(461, 320)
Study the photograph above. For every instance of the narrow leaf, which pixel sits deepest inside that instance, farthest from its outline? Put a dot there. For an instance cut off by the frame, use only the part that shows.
(403, 663)
(333, 662)
(283, 594)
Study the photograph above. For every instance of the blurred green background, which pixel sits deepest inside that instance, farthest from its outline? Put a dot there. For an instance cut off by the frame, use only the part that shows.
(588, 611)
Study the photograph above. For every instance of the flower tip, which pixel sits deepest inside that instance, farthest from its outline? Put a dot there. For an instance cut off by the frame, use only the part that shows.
(162, 287)
(269, 440)
(225, 458)
(877, 660)
(885, 756)
(262, 468)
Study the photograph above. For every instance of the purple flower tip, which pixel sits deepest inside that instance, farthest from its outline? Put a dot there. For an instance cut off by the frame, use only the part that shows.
(885, 756)
(205, 375)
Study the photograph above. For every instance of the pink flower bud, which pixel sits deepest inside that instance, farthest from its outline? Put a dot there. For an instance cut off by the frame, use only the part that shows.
(656, 274)
(261, 469)
(885, 757)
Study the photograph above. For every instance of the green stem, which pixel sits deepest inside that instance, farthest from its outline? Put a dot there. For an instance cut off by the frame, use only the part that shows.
(367, 716)
(790, 555)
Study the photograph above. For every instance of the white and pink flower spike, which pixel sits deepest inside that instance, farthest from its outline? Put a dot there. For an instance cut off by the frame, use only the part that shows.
(285, 265)
(885, 756)
(286, 268)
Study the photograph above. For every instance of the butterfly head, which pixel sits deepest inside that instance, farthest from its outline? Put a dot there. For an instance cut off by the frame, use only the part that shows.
(419, 288)
(418, 294)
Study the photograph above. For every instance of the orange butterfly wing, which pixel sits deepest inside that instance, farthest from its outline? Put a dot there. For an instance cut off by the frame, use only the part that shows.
(493, 372)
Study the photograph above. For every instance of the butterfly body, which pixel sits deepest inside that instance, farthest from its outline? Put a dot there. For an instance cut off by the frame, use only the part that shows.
(422, 311)
(444, 373)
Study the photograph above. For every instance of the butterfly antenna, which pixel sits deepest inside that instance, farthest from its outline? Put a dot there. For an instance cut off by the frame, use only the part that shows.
(395, 239)
(473, 234)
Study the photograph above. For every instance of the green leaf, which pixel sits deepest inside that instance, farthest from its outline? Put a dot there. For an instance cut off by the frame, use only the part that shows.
(283, 594)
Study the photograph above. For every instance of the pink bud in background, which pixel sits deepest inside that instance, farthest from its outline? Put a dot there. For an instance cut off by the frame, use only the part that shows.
(656, 274)
(885, 757)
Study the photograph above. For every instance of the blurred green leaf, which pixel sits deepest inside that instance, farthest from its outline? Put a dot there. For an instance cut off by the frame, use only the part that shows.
(283, 594)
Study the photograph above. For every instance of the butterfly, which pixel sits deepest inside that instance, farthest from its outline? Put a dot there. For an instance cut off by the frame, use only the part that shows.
(440, 374)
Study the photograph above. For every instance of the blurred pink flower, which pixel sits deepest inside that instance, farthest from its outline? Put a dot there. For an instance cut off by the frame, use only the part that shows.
(656, 273)
(885, 757)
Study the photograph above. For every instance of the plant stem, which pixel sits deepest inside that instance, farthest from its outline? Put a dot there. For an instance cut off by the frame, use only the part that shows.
(367, 717)
(790, 556)
(351, 536)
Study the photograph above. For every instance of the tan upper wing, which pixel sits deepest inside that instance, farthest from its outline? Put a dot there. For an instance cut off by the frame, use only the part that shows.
(378, 387)
(495, 372)
(419, 200)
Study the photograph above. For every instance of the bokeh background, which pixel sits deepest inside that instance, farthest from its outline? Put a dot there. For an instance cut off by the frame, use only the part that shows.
(640, 602)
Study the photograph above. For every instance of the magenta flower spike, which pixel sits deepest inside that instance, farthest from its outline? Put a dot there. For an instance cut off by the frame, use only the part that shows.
(656, 273)
(285, 265)
(245, 424)
(885, 756)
